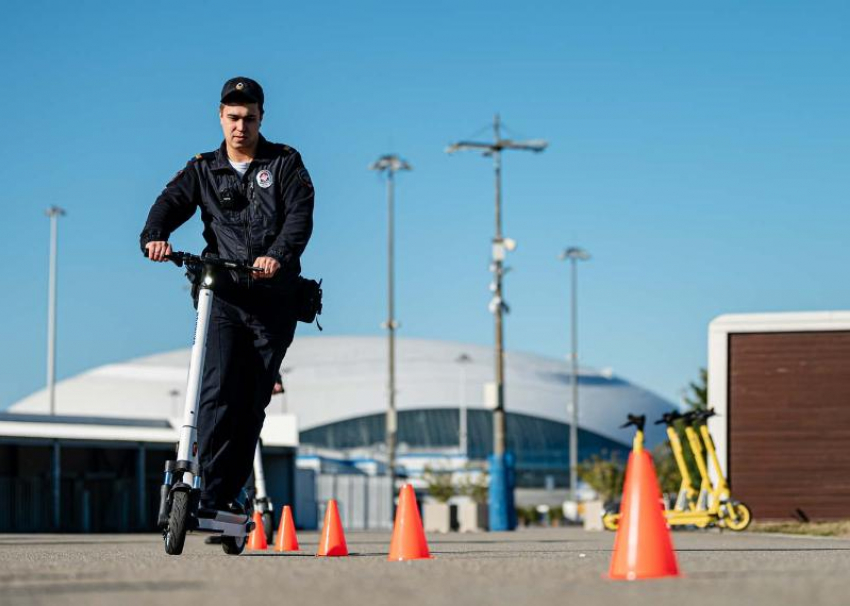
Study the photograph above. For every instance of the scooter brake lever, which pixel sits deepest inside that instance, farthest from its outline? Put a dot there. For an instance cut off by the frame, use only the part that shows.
(691, 417)
(704, 415)
(669, 417)
(636, 420)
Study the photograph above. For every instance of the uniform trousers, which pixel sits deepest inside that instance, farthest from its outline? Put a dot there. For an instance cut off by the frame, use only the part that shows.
(247, 340)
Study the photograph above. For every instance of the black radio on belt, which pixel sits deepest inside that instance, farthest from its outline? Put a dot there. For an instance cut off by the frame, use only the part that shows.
(232, 198)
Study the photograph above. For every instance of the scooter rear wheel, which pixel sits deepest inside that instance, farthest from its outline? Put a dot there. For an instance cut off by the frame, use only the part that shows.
(233, 545)
(268, 526)
(743, 517)
(175, 533)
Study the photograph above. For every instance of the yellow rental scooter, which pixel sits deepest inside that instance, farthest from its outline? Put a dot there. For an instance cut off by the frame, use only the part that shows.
(713, 505)
(733, 514)
(611, 519)
(687, 497)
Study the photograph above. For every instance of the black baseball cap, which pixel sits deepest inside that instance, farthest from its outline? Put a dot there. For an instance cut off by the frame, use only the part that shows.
(242, 89)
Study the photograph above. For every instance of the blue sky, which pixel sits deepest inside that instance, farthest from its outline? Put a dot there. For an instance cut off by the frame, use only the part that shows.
(698, 151)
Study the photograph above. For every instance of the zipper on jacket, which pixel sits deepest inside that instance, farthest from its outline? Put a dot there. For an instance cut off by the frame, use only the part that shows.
(248, 233)
(248, 224)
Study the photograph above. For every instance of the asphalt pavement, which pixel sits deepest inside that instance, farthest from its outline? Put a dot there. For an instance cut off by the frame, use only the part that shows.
(540, 566)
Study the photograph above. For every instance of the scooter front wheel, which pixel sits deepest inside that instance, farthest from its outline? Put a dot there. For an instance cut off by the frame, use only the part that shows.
(233, 545)
(743, 517)
(178, 518)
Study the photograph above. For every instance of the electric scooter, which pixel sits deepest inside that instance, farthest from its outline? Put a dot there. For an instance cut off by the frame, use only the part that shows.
(257, 499)
(733, 514)
(179, 502)
(687, 497)
(262, 502)
(611, 519)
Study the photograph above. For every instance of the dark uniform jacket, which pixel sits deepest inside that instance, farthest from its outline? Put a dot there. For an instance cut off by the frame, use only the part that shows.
(267, 212)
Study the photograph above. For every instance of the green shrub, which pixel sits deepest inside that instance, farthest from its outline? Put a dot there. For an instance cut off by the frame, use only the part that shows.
(605, 476)
(440, 484)
(527, 515)
(476, 488)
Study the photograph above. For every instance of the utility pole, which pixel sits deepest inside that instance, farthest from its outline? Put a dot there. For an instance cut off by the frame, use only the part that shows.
(574, 254)
(54, 212)
(390, 164)
(500, 516)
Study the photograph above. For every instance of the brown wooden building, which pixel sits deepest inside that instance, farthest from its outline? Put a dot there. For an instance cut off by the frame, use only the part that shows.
(781, 385)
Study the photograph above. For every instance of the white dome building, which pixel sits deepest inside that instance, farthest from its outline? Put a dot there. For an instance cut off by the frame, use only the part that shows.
(336, 388)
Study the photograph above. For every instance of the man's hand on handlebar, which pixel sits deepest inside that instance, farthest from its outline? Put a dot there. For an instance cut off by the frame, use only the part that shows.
(263, 267)
(157, 251)
(268, 265)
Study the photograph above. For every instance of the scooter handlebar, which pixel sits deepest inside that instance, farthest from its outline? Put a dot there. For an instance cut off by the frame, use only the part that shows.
(704, 415)
(637, 420)
(669, 417)
(180, 259)
(698, 415)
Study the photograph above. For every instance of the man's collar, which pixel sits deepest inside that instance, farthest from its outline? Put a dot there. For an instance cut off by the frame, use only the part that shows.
(264, 150)
(263, 154)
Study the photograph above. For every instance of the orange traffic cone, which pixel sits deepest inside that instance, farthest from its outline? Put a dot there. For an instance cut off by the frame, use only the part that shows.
(286, 539)
(408, 542)
(257, 538)
(642, 548)
(332, 542)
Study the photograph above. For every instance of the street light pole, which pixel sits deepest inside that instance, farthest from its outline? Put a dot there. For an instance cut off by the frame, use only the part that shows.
(54, 212)
(284, 395)
(463, 418)
(390, 164)
(500, 517)
(574, 254)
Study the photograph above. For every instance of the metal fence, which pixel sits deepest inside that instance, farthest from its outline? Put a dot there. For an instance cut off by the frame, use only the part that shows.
(364, 502)
(90, 505)
(109, 504)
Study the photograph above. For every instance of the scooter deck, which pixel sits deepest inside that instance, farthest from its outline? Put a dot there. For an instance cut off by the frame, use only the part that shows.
(225, 523)
(226, 529)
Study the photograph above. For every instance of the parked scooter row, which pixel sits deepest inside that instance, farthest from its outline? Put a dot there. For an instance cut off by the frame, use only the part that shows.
(709, 505)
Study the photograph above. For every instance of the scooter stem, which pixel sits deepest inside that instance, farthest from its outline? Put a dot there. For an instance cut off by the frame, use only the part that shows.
(637, 443)
(259, 475)
(712, 455)
(188, 446)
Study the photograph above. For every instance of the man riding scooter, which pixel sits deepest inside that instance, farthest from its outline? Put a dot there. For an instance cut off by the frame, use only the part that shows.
(256, 203)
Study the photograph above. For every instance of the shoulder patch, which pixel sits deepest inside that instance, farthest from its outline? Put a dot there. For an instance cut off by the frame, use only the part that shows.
(304, 177)
(197, 156)
(280, 149)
